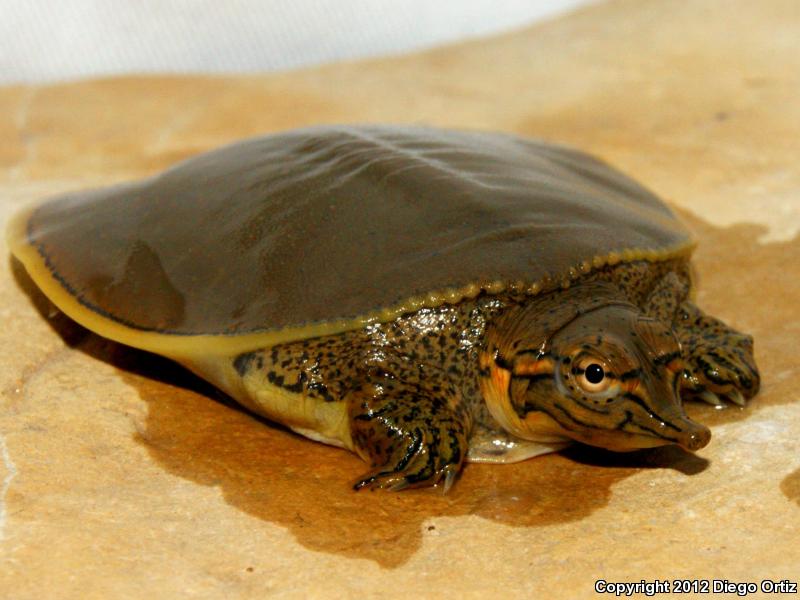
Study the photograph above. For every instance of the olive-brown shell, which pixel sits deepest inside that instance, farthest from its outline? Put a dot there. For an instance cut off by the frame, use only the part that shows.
(323, 229)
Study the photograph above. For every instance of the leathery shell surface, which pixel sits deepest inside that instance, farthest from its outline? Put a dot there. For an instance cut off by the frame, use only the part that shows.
(321, 230)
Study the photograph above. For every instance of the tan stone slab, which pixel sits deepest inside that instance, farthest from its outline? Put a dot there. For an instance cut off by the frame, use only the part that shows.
(124, 477)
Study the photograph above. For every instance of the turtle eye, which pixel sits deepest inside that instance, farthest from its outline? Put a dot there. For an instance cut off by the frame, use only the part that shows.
(592, 377)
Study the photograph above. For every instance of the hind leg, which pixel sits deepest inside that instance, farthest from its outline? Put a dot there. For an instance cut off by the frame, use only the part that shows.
(412, 434)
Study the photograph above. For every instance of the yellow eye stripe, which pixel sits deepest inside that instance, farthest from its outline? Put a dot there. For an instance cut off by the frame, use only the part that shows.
(524, 367)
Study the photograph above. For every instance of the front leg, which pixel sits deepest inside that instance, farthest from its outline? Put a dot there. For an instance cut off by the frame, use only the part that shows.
(720, 359)
(413, 433)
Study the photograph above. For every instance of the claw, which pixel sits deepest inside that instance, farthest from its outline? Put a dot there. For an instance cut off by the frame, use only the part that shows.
(385, 480)
(736, 397)
(399, 485)
(363, 483)
(449, 478)
(711, 398)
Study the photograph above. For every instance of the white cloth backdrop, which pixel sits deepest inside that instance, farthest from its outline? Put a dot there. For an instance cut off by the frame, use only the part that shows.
(46, 40)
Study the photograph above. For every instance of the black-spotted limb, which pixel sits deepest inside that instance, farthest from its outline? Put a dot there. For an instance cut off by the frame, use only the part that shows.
(607, 361)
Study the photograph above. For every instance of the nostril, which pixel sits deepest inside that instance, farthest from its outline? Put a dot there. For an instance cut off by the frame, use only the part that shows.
(696, 437)
(695, 443)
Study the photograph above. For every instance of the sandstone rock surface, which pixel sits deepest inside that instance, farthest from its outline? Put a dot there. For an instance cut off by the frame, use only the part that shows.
(123, 477)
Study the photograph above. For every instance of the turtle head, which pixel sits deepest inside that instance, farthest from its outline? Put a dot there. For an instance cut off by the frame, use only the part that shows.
(602, 374)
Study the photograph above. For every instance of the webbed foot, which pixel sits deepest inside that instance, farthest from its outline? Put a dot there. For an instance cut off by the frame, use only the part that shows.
(720, 359)
(411, 434)
(422, 470)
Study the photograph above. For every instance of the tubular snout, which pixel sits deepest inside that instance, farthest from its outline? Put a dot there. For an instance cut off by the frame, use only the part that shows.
(693, 436)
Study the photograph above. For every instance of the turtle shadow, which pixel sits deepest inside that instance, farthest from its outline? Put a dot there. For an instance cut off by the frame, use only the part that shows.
(281, 478)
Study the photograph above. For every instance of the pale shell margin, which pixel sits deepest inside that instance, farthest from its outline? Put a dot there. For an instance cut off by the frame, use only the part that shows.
(187, 346)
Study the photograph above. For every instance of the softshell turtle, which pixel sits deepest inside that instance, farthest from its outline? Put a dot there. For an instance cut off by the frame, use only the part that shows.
(419, 296)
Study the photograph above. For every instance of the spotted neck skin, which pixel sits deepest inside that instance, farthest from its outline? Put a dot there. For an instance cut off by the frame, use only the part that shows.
(439, 345)
(502, 378)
